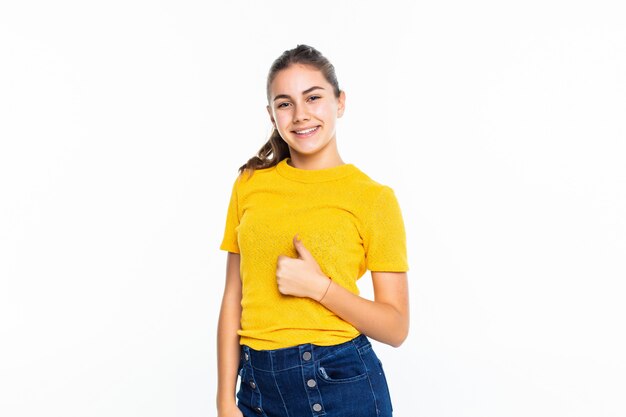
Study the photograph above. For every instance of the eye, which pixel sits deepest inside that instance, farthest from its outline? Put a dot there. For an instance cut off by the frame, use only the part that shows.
(280, 105)
(314, 98)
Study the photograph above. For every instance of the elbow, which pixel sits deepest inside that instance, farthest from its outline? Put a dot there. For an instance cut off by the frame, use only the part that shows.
(395, 339)
(399, 336)
(396, 329)
(398, 340)
(402, 331)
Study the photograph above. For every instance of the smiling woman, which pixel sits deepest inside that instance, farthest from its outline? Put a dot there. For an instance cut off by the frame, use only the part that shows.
(304, 110)
(302, 227)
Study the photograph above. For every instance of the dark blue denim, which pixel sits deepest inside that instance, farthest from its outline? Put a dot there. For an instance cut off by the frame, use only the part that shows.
(345, 380)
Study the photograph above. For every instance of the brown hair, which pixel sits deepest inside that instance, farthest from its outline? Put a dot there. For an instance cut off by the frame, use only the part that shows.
(276, 149)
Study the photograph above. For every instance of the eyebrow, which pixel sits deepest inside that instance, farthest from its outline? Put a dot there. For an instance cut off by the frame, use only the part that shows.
(308, 90)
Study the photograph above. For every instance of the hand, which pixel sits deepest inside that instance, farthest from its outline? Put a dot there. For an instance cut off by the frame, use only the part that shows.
(301, 276)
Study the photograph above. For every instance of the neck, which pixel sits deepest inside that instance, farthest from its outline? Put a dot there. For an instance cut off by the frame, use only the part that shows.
(327, 158)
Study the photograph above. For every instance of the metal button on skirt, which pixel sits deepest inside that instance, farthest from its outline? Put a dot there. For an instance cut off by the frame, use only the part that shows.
(345, 380)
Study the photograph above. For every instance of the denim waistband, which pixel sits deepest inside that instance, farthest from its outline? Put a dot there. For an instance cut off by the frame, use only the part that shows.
(285, 358)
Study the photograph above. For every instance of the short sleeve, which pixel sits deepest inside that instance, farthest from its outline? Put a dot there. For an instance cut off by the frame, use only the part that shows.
(230, 241)
(385, 236)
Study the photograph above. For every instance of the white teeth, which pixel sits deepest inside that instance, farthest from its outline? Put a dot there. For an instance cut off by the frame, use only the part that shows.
(303, 132)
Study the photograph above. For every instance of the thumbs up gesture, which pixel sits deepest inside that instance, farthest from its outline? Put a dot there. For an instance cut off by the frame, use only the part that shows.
(301, 276)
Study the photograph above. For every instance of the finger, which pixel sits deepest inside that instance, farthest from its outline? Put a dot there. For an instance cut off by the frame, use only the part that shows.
(282, 258)
(303, 252)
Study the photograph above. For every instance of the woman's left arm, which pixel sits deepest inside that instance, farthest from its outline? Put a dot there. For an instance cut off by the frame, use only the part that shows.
(385, 319)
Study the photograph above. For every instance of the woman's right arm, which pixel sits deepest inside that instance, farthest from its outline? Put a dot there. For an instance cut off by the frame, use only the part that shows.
(228, 348)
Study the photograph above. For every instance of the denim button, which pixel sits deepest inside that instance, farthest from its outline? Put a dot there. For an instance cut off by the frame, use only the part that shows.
(258, 410)
(311, 383)
(306, 356)
(252, 385)
(317, 407)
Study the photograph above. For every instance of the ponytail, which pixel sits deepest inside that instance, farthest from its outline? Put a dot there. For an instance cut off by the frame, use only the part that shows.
(270, 154)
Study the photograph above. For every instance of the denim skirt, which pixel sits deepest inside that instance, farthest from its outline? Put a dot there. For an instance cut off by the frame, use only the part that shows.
(345, 380)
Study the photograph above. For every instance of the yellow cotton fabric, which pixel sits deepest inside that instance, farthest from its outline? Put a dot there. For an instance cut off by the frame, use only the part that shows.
(349, 223)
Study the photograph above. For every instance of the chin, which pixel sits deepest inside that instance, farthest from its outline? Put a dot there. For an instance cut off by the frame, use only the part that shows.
(309, 150)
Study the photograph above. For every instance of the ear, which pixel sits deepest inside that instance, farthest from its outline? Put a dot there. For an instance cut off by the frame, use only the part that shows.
(269, 111)
(341, 103)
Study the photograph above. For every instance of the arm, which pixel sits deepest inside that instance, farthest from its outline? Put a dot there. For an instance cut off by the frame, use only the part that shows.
(385, 319)
(228, 348)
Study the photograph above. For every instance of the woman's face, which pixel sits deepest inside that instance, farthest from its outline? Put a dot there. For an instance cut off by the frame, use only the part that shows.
(304, 109)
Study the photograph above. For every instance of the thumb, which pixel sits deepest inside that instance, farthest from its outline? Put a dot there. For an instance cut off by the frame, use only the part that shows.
(302, 251)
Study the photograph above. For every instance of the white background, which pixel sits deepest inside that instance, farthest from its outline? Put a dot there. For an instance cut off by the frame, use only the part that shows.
(500, 126)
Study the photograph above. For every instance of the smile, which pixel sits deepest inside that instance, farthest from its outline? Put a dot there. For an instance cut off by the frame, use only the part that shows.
(306, 132)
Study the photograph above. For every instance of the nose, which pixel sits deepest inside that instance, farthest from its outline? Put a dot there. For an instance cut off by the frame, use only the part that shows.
(300, 114)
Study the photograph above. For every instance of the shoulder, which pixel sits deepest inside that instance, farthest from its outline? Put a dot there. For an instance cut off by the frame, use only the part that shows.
(370, 190)
(250, 179)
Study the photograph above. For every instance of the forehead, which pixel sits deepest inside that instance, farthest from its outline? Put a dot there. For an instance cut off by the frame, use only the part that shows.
(296, 78)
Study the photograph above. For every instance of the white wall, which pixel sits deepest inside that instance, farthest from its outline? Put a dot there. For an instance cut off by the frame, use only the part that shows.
(500, 126)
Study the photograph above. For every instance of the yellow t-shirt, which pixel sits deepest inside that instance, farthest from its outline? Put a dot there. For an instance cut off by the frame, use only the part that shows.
(349, 223)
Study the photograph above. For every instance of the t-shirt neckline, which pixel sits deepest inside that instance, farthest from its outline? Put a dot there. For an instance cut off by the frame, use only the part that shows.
(314, 175)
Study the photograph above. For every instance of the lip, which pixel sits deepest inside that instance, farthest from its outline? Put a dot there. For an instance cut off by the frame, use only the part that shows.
(304, 128)
(307, 135)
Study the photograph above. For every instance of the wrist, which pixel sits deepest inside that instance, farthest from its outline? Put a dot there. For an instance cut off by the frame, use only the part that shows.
(324, 287)
(224, 404)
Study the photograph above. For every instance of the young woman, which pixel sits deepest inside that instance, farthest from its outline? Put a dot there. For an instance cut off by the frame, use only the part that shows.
(302, 227)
